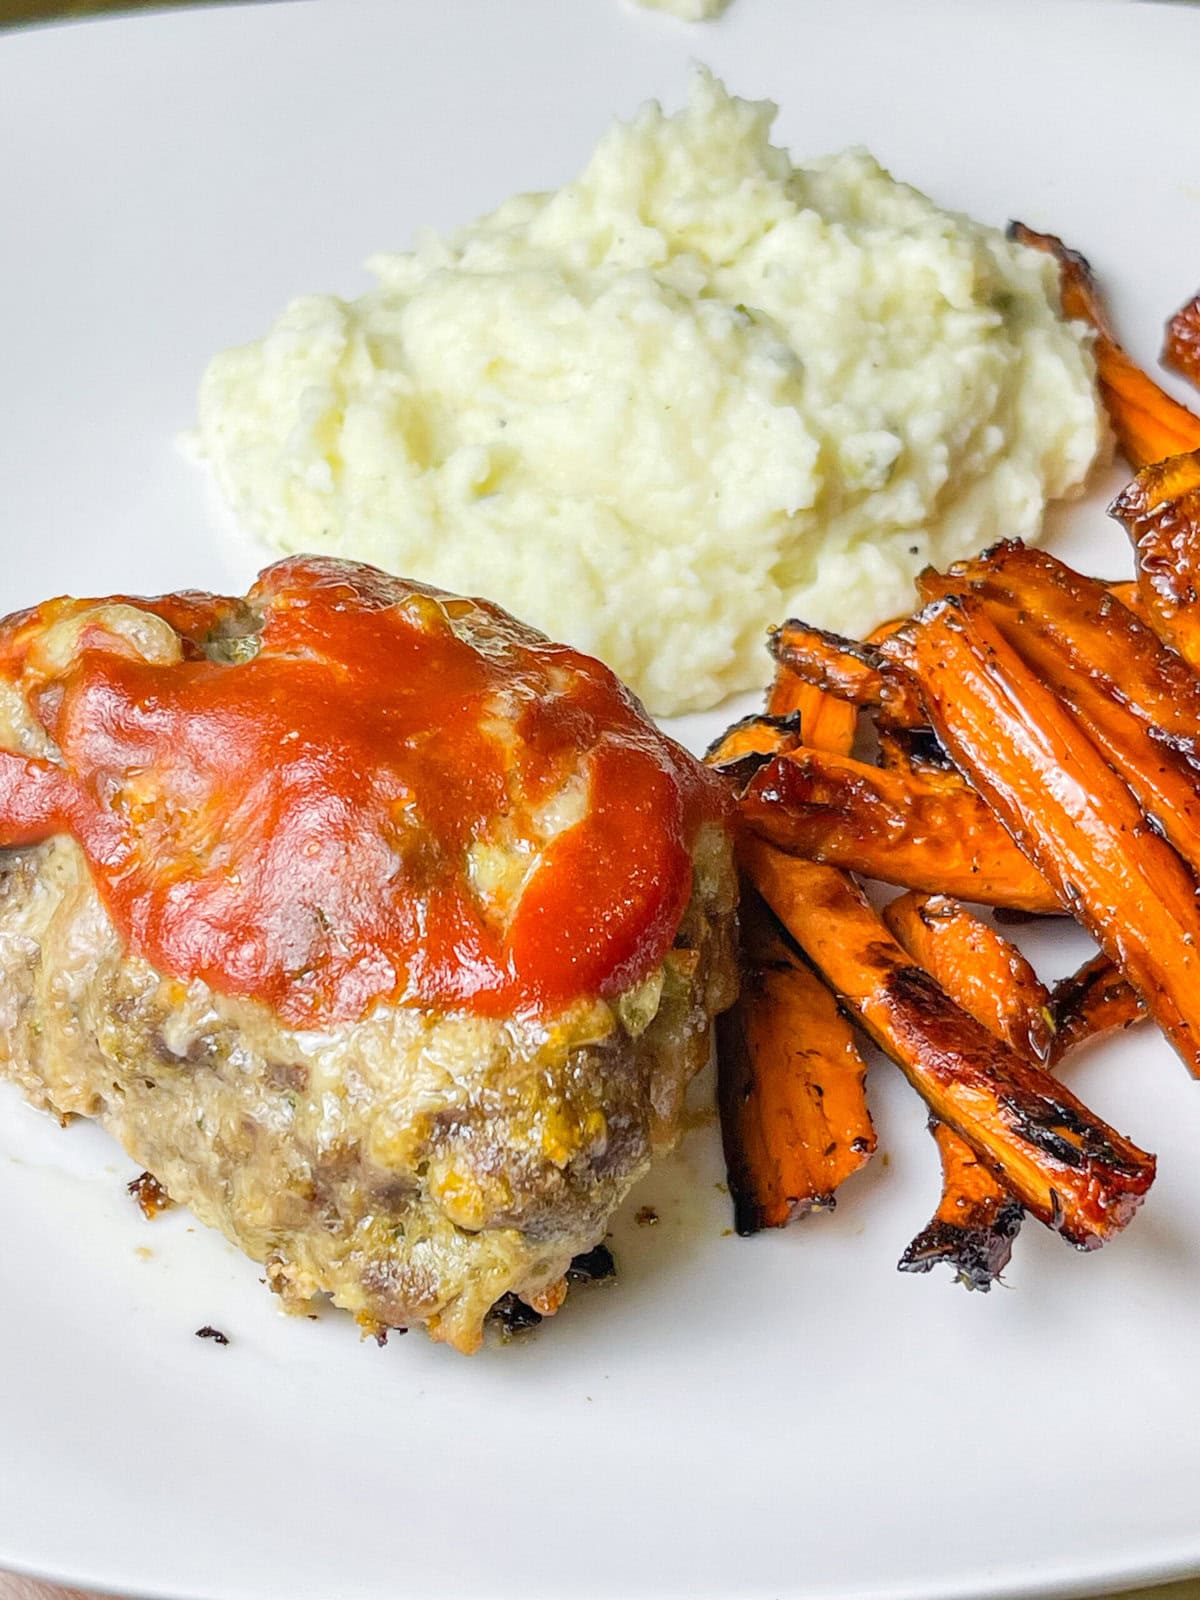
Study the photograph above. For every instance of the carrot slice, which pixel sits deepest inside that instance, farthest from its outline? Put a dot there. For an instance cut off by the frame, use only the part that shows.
(1181, 348)
(755, 735)
(1077, 287)
(1092, 623)
(924, 829)
(847, 669)
(885, 630)
(1061, 801)
(979, 969)
(1091, 1003)
(790, 1084)
(826, 723)
(841, 667)
(1149, 425)
(1073, 1172)
(794, 1118)
(1160, 511)
(977, 1219)
(1129, 595)
(811, 716)
(1123, 684)
(976, 1222)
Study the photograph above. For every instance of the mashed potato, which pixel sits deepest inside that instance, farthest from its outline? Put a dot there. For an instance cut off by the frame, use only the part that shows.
(694, 391)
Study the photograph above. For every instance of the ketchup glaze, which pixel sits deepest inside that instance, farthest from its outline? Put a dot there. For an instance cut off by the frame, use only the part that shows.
(291, 798)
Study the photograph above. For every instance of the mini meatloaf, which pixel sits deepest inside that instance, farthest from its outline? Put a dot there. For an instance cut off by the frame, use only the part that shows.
(385, 933)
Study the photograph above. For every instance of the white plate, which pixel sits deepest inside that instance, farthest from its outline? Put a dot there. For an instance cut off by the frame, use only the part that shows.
(786, 1416)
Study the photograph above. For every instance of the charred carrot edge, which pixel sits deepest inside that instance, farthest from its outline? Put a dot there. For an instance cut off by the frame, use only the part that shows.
(914, 750)
(759, 734)
(976, 1223)
(826, 723)
(1122, 683)
(1064, 1164)
(981, 970)
(1077, 287)
(921, 830)
(749, 744)
(885, 630)
(1149, 425)
(790, 1084)
(847, 669)
(1069, 812)
(842, 667)
(1094, 626)
(1181, 344)
(977, 1219)
(1095, 1001)
(1160, 511)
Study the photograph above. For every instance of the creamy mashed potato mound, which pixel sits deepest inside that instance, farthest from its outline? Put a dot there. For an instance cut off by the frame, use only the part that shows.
(695, 391)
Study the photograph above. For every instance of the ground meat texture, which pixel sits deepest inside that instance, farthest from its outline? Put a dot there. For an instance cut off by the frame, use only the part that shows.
(416, 1167)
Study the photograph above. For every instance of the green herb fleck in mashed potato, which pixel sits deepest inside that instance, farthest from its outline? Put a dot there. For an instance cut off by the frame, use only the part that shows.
(695, 391)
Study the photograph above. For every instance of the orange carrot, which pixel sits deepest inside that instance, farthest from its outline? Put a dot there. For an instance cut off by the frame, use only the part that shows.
(794, 1118)
(1064, 1164)
(1149, 425)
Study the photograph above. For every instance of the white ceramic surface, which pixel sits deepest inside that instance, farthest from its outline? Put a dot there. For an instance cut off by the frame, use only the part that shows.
(786, 1416)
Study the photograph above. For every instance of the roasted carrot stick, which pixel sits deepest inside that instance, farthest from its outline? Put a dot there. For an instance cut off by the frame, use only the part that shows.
(922, 829)
(826, 723)
(1066, 1166)
(847, 669)
(1088, 1004)
(976, 1221)
(794, 1119)
(1181, 349)
(790, 1084)
(787, 694)
(977, 1218)
(1123, 684)
(1077, 287)
(1160, 511)
(1149, 425)
(1058, 797)
(1129, 595)
(841, 667)
(979, 969)
(757, 735)
(1092, 1002)
(1094, 627)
